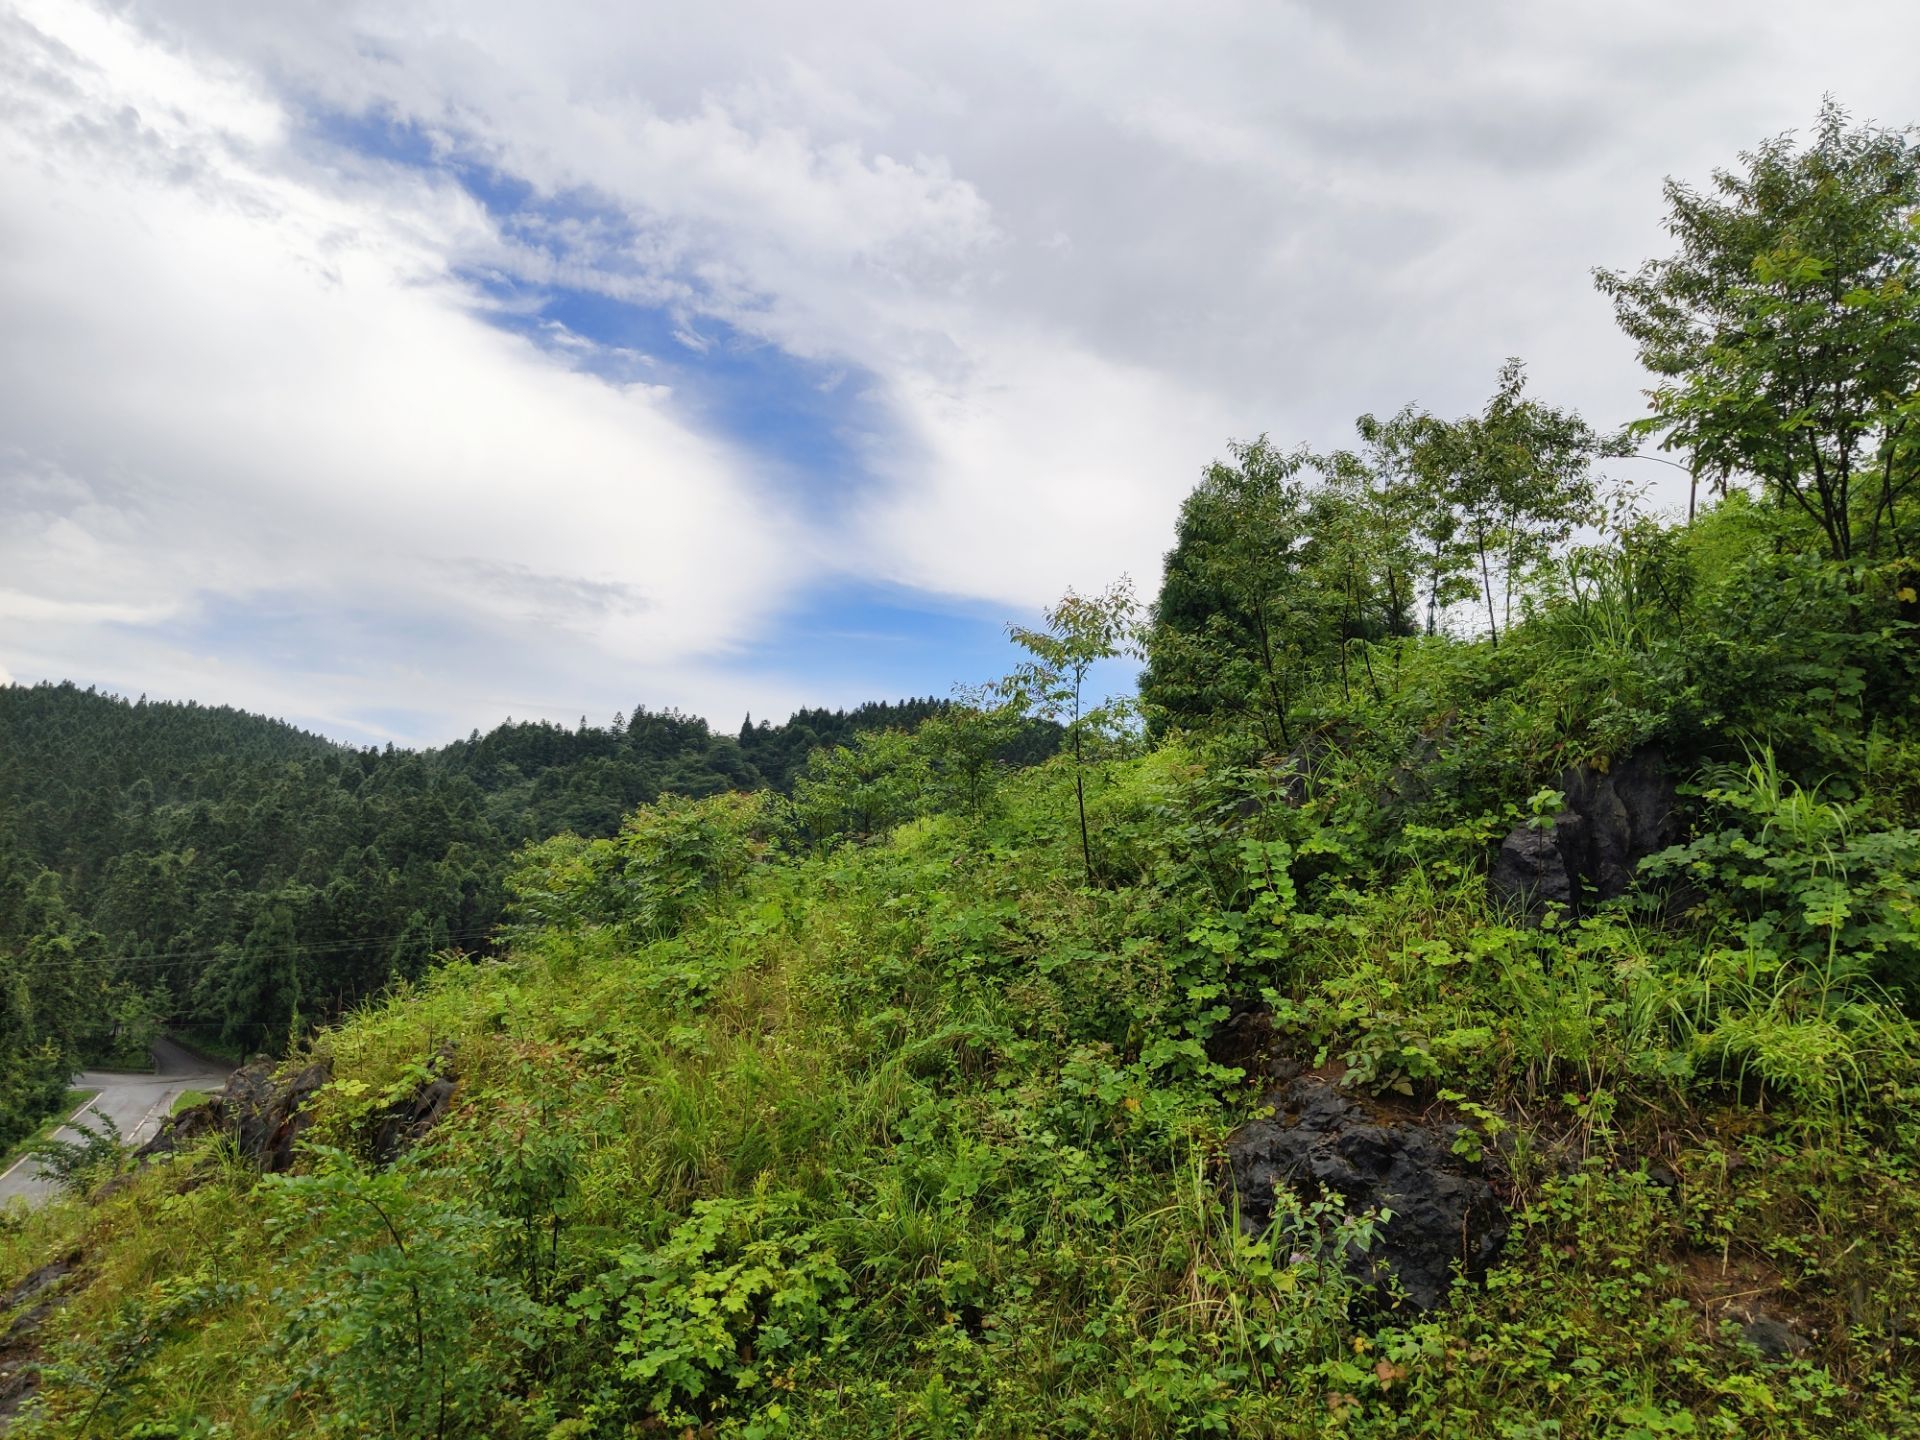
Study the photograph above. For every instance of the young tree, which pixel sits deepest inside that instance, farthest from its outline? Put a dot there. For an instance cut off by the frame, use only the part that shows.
(1383, 498)
(1081, 631)
(963, 746)
(1502, 488)
(862, 788)
(1786, 330)
(1360, 556)
(1238, 615)
(1417, 516)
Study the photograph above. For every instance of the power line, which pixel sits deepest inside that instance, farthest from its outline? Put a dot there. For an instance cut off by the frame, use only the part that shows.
(318, 944)
(123, 964)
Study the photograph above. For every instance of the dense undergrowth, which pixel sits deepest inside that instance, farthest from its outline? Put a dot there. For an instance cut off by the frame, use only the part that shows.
(920, 1134)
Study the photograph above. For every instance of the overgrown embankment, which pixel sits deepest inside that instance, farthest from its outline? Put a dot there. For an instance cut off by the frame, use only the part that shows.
(928, 1134)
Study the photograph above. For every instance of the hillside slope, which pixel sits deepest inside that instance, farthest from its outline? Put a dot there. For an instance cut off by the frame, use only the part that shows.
(1471, 992)
(239, 879)
(938, 1134)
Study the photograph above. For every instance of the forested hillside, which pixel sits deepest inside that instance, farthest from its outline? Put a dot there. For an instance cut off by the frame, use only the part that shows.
(1469, 992)
(239, 879)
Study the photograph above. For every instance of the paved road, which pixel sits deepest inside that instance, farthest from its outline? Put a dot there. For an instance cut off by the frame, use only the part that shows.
(136, 1103)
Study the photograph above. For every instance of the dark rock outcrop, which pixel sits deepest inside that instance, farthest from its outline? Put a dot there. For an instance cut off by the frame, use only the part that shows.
(1609, 822)
(189, 1125)
(1624, 815)
(1245, 1041)
(30, 1303)
(1324, 1141)
(1530, 871)
(263, 1113)
(266, 1114)
(1775, 1339)
(1410, 786)
(405, 1123)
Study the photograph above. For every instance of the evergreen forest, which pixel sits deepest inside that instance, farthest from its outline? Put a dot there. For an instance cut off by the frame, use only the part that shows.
(236, 881)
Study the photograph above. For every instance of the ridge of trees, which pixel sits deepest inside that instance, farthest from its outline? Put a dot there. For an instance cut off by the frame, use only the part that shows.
(241, 878)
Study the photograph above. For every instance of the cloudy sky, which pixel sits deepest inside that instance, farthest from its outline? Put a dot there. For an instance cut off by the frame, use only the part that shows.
(398, 367)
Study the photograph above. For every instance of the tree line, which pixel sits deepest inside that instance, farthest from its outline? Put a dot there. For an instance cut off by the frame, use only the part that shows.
(240, 879)
(1783, 343)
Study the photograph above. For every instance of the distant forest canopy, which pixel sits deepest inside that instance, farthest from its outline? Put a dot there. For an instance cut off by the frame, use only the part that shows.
(200, 867)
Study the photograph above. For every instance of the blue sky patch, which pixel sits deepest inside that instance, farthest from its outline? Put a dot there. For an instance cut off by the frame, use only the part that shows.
(857, 640)
(809, 424)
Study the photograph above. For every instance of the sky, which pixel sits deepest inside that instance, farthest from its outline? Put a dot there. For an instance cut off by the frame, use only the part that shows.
(397, 368)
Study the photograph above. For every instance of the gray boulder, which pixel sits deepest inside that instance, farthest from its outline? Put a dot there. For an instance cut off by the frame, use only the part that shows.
(264, 1112)
(1321, 1141)
(398, 1127)
(1610, 820)
(1530, 871)
(1774, 1339)
(267, 1114)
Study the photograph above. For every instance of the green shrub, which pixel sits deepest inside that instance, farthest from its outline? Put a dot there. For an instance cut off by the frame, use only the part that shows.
(739, 1304)
(396, 1325)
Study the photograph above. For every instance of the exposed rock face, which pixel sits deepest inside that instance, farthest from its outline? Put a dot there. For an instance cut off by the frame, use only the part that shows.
(1245, 1040)
(267, 1115)
(1610, 821)
(1410, 786)
(264, 1115)
(1322, 1140)
(406, 1122)
(177, 1130)
(1623, 816)
(30, 1303)
(1774, 1339)
(1530, 871)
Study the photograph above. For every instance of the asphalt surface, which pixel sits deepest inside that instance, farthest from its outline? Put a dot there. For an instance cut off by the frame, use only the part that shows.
(136, 1103)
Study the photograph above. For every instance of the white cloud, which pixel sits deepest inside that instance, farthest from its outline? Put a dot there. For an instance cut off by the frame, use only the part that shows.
(1041, 467)
(1298, 212)
(1069, 250)
(229, 377)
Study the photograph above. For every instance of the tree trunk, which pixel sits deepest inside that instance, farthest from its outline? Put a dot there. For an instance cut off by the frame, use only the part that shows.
(1080, 795)
(1275, 696)
(1486, 584)
(1354, 608)
(1080, 792)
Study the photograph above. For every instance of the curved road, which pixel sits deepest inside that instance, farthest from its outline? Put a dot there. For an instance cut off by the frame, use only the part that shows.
(136, 1103)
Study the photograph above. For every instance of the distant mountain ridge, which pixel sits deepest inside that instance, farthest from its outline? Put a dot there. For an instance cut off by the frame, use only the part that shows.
(208, 868)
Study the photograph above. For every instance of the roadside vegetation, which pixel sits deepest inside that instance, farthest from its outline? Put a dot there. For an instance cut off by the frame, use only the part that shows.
(903, 1105)
(70, 1101)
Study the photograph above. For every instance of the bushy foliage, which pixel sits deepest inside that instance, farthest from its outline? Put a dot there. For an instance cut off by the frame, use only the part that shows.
(1797, 880)
(398, 1329)
(667, 861)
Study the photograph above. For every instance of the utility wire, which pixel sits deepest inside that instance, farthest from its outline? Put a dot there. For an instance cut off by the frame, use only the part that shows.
(123, 964)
